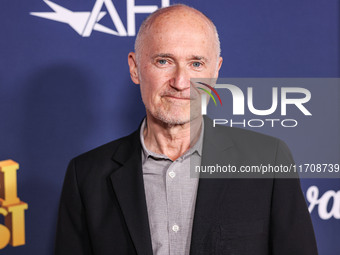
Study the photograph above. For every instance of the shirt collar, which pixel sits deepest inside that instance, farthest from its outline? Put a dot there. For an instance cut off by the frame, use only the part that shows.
(197, 148)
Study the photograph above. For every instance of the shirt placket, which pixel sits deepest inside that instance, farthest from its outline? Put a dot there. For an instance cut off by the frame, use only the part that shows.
(174, 207)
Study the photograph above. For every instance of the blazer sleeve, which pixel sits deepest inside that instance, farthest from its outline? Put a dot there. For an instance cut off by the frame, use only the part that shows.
(72, 235)
(291, 230)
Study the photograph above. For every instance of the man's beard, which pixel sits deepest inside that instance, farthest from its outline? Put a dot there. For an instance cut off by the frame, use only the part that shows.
(178, 117)
(170, 119)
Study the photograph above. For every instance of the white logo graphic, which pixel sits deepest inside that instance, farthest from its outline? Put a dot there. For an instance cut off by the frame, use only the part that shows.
(85, 22)
(238, 100)
(322, 202)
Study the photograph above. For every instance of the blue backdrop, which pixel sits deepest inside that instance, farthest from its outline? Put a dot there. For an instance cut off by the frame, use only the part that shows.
(63, 92)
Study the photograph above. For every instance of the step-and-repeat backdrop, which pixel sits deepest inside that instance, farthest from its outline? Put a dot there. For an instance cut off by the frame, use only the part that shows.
(65, 89)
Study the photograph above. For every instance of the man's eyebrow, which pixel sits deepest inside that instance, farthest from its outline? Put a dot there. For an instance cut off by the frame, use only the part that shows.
(163, 55)
(169, 55)
(196, 57)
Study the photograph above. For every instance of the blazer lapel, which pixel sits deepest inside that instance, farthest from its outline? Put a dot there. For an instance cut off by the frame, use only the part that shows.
(128, 185)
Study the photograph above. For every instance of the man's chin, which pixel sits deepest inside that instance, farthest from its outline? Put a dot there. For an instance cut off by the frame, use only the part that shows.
(174, 119)
(171, 120)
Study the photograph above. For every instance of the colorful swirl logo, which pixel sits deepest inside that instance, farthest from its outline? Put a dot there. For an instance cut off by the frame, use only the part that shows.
(209, 93)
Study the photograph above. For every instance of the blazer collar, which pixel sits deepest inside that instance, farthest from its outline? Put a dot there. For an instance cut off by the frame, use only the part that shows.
(128, 185)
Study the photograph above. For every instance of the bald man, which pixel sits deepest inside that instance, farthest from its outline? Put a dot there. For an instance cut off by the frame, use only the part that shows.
(135, 195)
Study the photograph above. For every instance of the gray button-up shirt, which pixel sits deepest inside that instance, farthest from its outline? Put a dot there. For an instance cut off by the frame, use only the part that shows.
(170, 197)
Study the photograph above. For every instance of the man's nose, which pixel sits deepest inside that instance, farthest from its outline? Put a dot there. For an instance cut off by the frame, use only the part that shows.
(181, 79)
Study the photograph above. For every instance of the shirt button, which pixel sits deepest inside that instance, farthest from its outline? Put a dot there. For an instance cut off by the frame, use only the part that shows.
(172, 174)
(175, 228)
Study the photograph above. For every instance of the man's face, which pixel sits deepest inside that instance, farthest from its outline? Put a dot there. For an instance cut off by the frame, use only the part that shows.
(175, 49)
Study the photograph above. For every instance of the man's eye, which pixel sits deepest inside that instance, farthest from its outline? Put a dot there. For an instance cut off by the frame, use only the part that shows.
(162, 61)
(197, 64)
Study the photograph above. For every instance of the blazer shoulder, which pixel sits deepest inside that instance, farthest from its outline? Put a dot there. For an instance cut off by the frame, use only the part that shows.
(240, 135)
(100, 161)
(107, 150)
(255, 144)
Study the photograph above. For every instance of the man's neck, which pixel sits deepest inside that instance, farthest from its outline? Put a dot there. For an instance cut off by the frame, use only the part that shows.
(171, 140)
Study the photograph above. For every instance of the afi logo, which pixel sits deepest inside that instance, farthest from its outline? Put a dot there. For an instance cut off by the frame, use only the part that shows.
(85, 22)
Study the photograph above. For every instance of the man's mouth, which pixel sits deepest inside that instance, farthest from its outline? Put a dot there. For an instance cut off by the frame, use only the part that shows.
(178, 97)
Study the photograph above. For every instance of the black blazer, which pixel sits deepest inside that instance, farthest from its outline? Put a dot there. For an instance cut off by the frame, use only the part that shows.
(103, 207)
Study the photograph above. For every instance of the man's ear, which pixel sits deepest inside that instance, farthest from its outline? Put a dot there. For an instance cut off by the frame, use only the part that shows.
(220, 61)
(132, 61)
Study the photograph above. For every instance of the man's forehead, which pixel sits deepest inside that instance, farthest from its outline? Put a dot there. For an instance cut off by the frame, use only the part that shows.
(179, 28)
(180, 19)
(180, 43)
